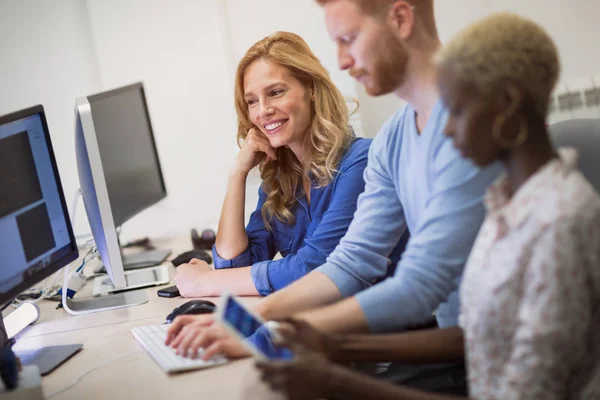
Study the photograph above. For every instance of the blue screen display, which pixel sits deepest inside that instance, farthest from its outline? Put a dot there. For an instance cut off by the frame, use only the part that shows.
(256, 333)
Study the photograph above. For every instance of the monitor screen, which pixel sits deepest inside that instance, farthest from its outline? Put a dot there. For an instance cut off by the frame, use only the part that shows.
(127, 149)
(35, 231)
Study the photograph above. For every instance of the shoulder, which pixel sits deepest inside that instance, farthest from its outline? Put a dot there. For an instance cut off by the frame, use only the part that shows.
(357, 151)
(571, 203)
(387, 143)
(392, 129)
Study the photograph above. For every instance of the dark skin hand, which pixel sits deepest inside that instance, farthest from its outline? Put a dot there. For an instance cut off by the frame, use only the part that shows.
(311, 376)
(301, 332)
(417, 347)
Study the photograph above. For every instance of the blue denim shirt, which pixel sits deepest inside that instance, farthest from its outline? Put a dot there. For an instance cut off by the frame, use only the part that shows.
(316, 232)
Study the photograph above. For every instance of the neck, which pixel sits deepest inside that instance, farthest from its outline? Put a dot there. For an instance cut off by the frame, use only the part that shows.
(524, 161)
(301, 151)
(419, 88)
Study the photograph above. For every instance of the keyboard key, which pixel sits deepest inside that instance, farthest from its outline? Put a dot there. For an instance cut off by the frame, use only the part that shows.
(152, 339)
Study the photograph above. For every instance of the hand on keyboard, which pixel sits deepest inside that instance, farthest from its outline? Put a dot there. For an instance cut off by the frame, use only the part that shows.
(216, 340)
(152, 338)
(187, 321)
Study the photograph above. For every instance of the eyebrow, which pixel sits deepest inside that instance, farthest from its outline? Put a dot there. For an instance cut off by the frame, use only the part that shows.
(267, 88)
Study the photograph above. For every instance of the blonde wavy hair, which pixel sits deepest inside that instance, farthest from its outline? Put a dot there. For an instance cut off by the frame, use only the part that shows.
(330, 134)
(505, 47)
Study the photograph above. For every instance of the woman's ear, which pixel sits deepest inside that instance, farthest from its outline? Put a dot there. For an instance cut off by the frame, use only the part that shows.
(510, 99)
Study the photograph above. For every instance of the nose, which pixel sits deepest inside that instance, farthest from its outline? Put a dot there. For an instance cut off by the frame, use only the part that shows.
(266, 110)
(345, 60)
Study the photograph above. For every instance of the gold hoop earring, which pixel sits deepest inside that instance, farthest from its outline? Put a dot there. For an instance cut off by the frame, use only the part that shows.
(521, 136)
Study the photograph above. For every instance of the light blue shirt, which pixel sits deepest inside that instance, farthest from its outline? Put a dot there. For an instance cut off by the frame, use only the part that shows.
(420, 183)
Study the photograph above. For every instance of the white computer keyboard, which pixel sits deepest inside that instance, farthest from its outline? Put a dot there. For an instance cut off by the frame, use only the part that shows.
(152, 338)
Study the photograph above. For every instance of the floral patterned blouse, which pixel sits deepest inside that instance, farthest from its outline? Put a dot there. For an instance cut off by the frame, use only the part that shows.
(531, 289)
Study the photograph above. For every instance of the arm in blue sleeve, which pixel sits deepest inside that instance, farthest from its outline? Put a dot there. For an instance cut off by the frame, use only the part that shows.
(361, 258)
(260, 241)
(434, 259)
(274, 275)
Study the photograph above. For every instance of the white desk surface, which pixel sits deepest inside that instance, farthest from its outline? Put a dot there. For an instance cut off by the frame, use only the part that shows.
(106, 336)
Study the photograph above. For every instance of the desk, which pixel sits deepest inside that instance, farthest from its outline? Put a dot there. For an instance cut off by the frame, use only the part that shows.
(106, 337)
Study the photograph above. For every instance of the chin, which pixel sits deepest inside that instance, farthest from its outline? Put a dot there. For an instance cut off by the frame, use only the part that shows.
(376, 90)
(277, 142)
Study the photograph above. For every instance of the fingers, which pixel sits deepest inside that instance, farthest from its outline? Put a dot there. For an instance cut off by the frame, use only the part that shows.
(189, 333)
(257, 141)
(176, 327)
(187, 324)
(274, 374)
(197, 337)
(299, 324)
(217, 347)
(272, 366)
(208, 337)
(267, 149)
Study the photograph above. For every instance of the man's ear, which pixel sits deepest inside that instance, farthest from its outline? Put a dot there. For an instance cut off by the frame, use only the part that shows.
(401, 17)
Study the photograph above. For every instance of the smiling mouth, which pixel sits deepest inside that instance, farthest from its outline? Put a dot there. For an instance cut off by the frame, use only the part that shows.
(274, 127)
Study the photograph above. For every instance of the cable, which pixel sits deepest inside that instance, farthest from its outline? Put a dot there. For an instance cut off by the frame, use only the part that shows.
(80, 377)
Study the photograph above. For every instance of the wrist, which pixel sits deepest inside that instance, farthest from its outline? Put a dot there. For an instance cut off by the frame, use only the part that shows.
(208, 285)
(238, 174)
(334, 379)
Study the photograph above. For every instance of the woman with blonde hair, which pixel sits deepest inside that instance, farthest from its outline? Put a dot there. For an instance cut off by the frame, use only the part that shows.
(530, 296)
(293, 125)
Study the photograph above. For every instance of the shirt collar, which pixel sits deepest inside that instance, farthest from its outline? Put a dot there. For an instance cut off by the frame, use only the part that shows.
(516, 209)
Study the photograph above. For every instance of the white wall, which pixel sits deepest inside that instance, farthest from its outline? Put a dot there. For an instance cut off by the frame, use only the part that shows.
(572, 24)
(177, 49)
(186, 51)
(47, 58)
(250, 21)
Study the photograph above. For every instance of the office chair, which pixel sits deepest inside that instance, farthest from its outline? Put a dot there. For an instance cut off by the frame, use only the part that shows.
(584, 136)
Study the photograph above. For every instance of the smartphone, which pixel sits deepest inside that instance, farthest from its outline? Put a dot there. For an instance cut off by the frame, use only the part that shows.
(253, 332)
(170, 291)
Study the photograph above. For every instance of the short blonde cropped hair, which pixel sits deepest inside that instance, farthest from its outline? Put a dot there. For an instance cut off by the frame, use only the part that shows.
(505, 47)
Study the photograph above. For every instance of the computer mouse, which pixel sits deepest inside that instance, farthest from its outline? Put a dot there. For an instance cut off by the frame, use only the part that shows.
(192, 307)
(186, 257)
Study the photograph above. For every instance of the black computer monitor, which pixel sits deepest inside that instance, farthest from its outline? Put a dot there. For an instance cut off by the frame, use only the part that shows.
(128, 151)
(119, 171)
(36, 237)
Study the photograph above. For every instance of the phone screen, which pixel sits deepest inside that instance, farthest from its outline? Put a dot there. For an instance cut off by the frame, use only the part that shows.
(255, 332)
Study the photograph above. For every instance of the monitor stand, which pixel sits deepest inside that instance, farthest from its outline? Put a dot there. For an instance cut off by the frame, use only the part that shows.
(144, 259)
(88, 305)
(104, 303)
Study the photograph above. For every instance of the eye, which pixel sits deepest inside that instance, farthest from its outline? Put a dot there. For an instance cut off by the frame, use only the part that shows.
(455, 110)
(251, 101)
(276, 92)
(347, 39)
